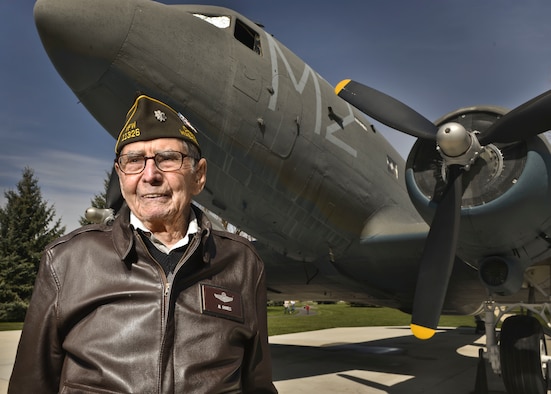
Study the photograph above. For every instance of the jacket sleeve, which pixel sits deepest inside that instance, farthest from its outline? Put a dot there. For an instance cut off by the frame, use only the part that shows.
(258, 364)
(39, 358)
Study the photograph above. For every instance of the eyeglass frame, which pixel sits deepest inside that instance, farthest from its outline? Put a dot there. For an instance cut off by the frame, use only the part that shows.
(154, 157)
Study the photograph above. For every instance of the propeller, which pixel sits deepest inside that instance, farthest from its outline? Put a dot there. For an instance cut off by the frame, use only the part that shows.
(459, 148)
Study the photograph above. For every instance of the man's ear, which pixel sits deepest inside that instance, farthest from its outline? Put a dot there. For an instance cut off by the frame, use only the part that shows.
(117, 169)
(200, 175)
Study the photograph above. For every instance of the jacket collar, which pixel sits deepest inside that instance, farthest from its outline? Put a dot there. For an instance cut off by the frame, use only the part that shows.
(124, 241)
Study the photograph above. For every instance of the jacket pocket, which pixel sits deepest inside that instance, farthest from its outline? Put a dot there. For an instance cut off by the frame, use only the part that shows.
(77, 388)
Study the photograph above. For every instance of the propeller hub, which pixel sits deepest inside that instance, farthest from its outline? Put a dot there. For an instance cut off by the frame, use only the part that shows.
(453, 139)
(457, 145)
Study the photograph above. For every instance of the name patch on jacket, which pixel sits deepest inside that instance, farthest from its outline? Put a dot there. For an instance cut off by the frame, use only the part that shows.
(221, 303)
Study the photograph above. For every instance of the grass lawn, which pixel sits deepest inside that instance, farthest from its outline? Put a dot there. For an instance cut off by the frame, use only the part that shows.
(344, 315)
(330, 316)
(10, 326)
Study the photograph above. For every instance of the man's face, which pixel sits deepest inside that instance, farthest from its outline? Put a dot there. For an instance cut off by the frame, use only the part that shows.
(161, 199)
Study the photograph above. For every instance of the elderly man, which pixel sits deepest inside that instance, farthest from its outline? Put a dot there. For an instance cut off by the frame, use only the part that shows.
(158, 302)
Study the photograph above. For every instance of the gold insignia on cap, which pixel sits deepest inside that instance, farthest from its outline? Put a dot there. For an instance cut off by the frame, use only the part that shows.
(184, 131)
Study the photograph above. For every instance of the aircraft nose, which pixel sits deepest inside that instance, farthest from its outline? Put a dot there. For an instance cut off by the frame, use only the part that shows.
(83, 37)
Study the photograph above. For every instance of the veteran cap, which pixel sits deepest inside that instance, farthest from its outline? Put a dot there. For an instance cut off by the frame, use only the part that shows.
(149, 119)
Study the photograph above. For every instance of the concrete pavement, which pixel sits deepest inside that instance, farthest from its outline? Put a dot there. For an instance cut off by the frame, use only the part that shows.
(8, 347)
(375, 360)
(367, 360)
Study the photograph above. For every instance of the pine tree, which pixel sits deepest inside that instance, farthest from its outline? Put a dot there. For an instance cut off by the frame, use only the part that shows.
(25, 230)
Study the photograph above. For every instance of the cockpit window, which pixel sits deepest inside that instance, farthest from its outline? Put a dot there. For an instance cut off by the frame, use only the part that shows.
(242, 32)
(247, 36)
(222, 22)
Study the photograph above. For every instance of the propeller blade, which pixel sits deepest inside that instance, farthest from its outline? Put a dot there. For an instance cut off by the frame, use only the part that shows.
(525, 121)
(438, 258)
(439, 254)
(386, 109)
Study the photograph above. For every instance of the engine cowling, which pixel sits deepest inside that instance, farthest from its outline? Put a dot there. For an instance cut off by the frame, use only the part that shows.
(505, 207)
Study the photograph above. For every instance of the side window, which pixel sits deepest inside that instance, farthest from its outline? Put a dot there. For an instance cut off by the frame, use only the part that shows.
(247, 36)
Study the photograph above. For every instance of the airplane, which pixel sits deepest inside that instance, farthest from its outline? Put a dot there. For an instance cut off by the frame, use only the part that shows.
(463, 226)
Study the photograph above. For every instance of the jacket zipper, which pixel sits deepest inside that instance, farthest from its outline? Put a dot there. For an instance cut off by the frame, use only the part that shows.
(167, 287)
(164, 309)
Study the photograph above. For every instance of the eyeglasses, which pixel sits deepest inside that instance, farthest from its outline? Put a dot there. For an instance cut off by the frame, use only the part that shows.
(168, 161)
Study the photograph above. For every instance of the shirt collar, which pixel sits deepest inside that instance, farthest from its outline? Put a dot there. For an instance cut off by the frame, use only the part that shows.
(193, 228)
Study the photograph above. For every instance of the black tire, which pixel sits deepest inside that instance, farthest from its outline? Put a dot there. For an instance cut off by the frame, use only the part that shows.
(521, 346)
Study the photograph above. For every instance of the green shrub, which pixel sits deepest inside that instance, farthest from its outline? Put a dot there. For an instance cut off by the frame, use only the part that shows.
(13, 311)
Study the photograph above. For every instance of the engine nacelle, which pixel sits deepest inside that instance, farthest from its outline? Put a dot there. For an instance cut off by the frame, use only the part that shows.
(506, 202)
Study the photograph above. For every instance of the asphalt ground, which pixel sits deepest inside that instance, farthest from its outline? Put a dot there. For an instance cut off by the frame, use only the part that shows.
(365, 360)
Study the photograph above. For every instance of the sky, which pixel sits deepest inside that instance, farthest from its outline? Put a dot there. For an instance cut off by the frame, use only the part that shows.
(435, 55)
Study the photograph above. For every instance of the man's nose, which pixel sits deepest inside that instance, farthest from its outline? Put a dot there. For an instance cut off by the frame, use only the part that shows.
(151, 172)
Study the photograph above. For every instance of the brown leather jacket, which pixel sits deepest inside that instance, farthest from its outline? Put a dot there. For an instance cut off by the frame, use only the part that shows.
(104, 318)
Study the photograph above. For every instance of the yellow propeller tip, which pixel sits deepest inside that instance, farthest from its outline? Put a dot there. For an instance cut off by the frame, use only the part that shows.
(421, 332)
(340, 86)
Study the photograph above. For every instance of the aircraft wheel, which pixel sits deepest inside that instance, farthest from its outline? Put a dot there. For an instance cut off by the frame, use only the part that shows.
(522, 346)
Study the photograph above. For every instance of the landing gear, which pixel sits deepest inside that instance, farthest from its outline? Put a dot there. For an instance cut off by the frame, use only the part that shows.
(523, 350)
(521, 357)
